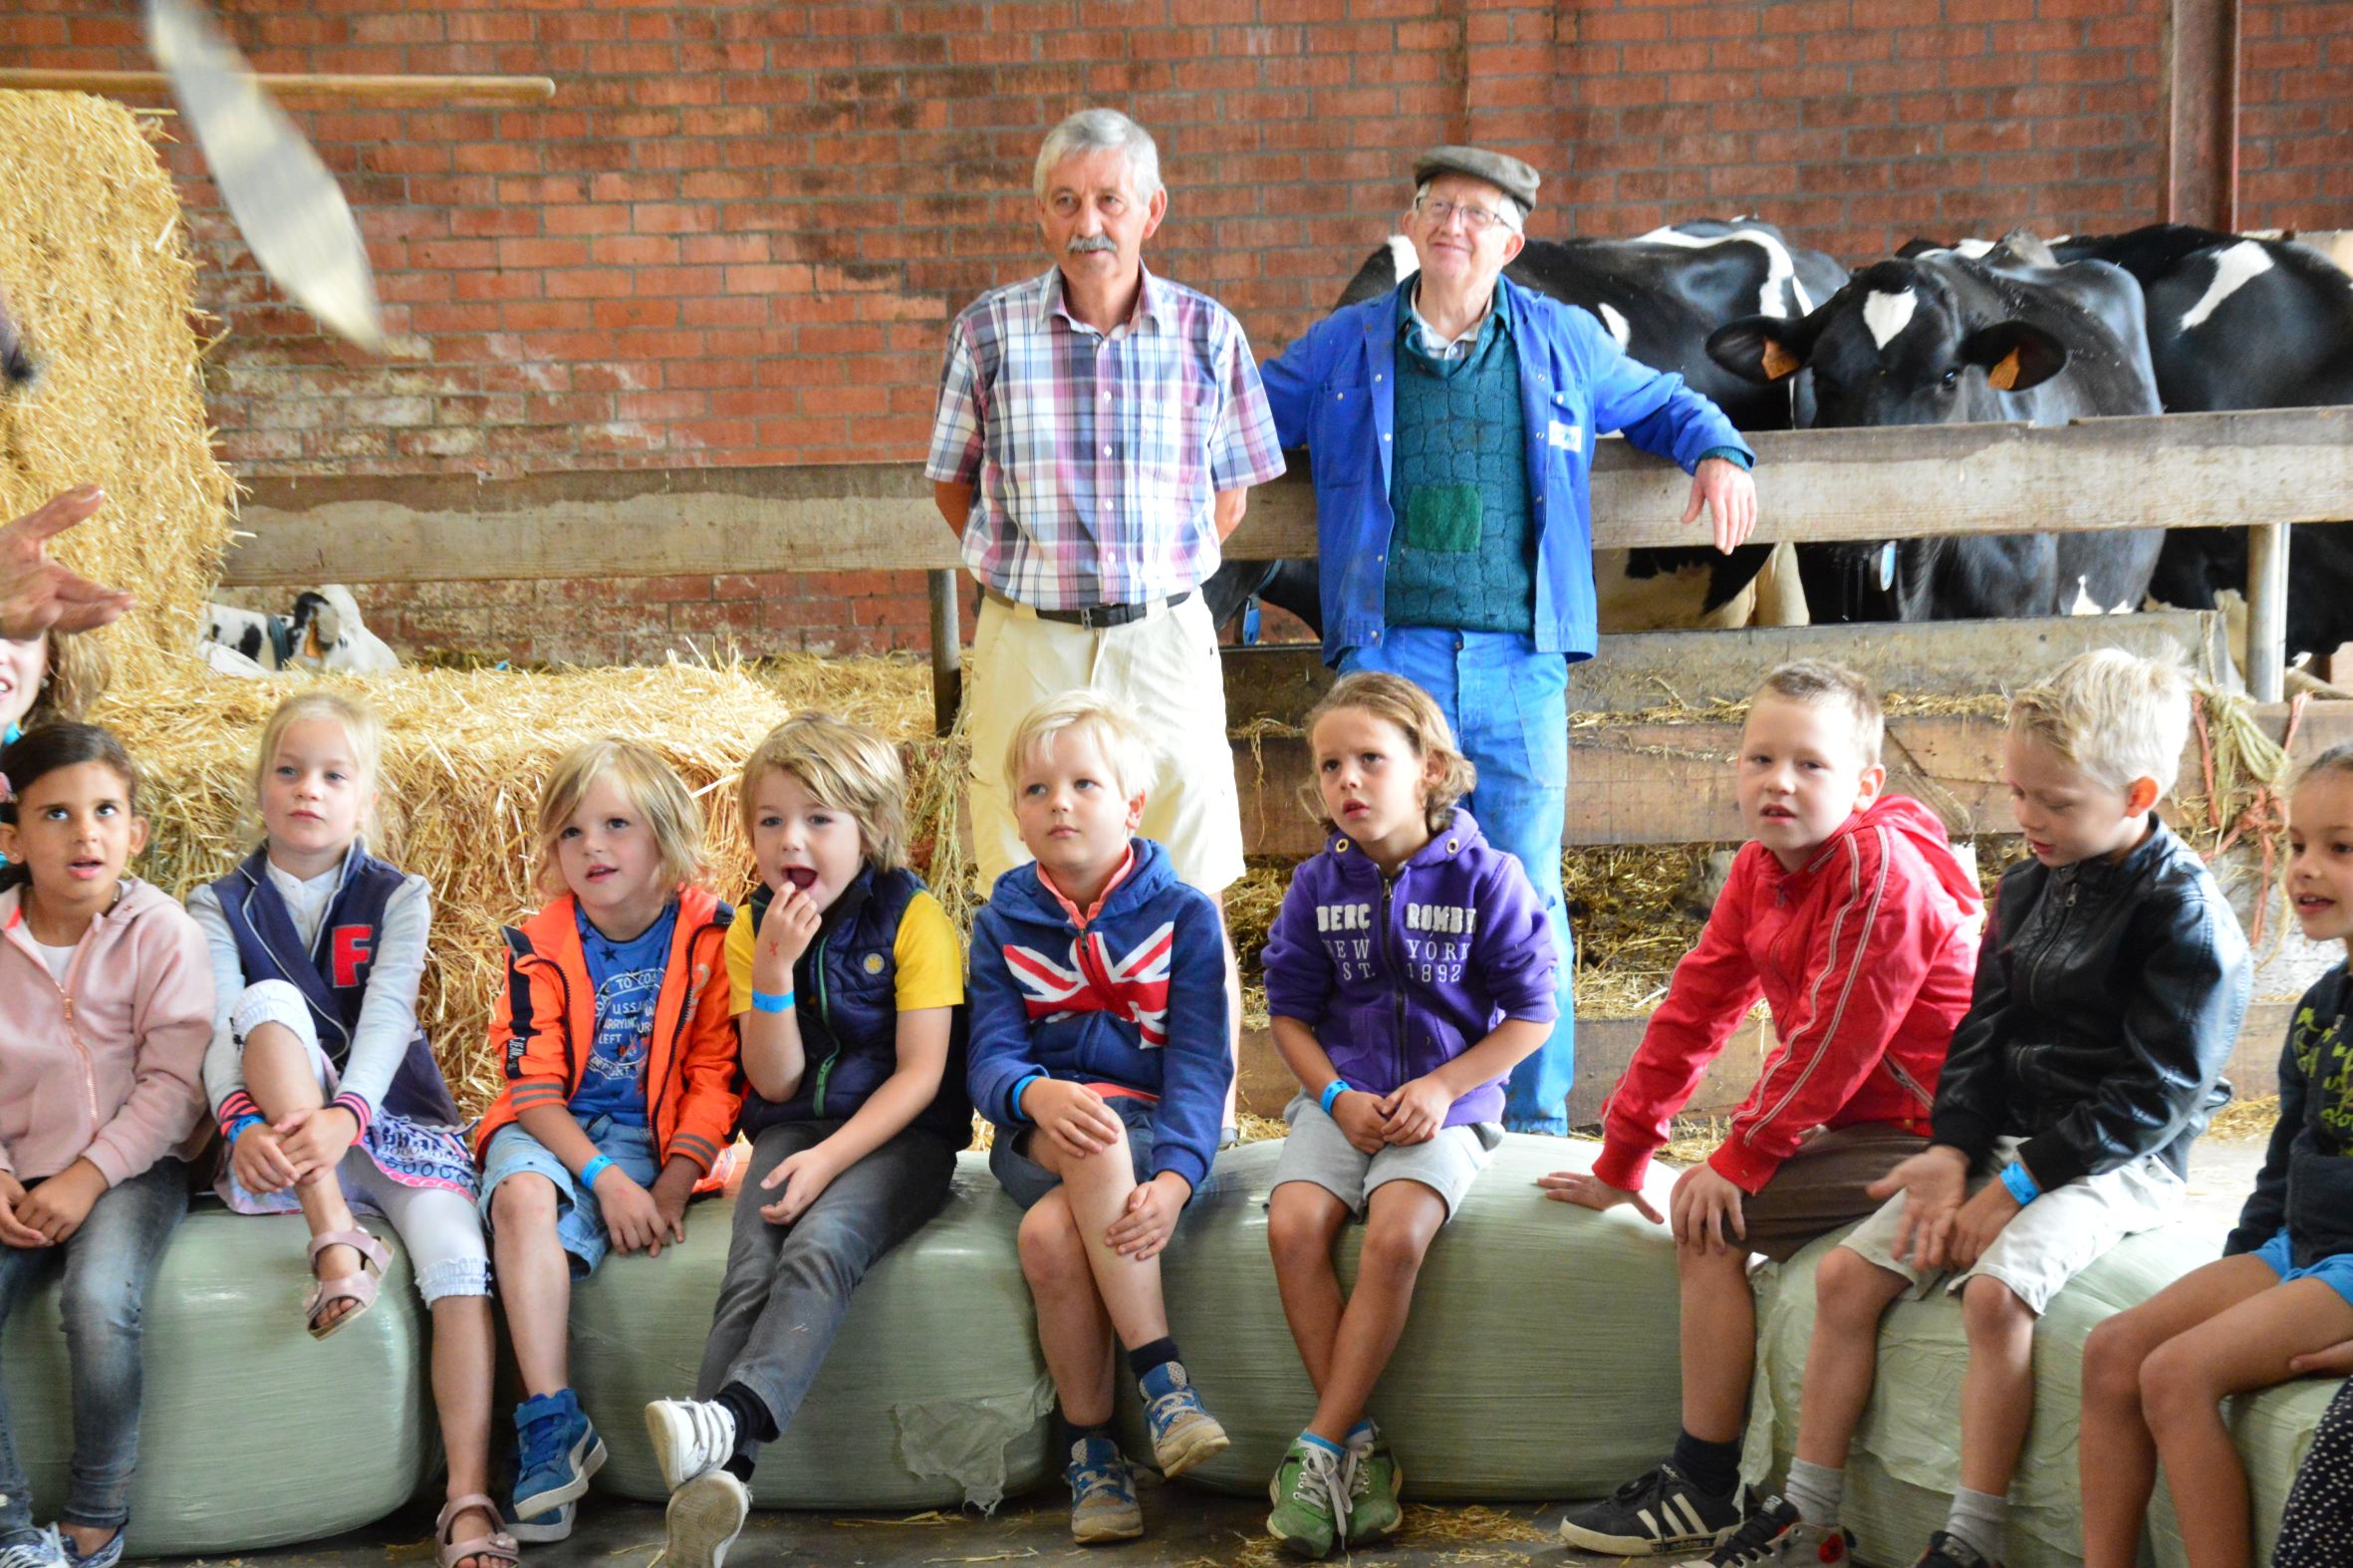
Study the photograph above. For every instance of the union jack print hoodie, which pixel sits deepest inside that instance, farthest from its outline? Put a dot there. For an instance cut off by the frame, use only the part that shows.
(1399, 975)
(1133, 1001)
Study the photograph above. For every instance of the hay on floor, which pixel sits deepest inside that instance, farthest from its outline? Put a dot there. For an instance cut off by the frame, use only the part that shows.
(96, 269)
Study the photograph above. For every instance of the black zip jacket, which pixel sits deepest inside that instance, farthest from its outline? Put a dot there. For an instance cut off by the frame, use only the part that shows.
(2307, 1178)
(2108, 998)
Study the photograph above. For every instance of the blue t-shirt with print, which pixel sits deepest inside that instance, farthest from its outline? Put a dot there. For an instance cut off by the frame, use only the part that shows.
(626, 980)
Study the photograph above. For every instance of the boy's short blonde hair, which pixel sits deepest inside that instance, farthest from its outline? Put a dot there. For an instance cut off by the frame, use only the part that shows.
(1101, 718)
(1819, 682)
(651, 785)
(2335, 762)
(844, 767)
(2111, 715)
(1418, 717)
(361, 727)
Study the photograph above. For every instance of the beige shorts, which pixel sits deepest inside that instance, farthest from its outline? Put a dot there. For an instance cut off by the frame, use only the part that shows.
(2052, 1239)
(1166, 668)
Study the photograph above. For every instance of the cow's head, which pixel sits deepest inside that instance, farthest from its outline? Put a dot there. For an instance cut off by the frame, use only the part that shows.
(16, 359)
(1894, 347)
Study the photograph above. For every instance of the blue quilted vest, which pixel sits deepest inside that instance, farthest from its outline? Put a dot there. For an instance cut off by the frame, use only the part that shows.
(846, 990)
(333, 975)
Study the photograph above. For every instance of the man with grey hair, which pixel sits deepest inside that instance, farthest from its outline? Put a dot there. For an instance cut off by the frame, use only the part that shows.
(1097, 430)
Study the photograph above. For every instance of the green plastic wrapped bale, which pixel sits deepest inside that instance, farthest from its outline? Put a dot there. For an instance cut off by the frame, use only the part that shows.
(224, 1327)
(1539, 1361)
(933, 1394)
(1907, 1453)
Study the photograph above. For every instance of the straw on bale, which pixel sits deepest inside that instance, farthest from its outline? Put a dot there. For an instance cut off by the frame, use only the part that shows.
(94, 264)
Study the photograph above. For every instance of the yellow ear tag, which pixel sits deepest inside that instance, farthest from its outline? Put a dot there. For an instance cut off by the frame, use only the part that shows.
(1778, 362)
(2004, 375)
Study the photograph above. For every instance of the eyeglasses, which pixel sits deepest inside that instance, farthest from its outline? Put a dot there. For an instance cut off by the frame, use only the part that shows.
(1440, 212)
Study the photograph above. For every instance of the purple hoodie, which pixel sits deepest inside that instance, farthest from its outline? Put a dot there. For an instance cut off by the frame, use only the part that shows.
(1399, 975)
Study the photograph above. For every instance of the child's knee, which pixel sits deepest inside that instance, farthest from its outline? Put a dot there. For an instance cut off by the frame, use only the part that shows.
(1398, 1234)
(524, 1200)
(2173, 1383)
(2113, 1353)
(1991, 1306)
(1050, 1242)
(272, 1016)
(1301, 1223)
(1849, 1287)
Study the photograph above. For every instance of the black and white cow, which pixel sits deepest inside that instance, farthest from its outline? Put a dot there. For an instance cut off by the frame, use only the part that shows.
(324, 632)
(16, 359)
(1948, 338)
(1659, 295)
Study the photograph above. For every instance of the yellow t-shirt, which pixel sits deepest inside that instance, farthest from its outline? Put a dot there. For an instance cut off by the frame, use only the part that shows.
(931, 961)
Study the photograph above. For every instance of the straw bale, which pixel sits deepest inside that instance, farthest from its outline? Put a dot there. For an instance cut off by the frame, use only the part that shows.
(95, 267)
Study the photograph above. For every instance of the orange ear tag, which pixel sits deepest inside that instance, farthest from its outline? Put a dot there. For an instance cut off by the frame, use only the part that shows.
(2004, 375)
(1778, 362)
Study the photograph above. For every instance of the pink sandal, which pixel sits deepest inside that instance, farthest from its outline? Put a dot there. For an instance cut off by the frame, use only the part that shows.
(358, 1287)
(497, 1545)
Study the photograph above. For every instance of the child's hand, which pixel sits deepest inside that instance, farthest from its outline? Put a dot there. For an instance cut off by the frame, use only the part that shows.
(316, 1139)
(258, 1161)
(1415, 1111)
(1980, 1220)
(1587, 1190)
(1358, 1114)
(803, 1177)
(55, 1207)
(1707, 1209)
(2334, 1361)
(1933, 1182)
(14, 1231)
(632, 1217)
(1073, 1115)
(786, 932)
(673, 1191)
(1152, 1213)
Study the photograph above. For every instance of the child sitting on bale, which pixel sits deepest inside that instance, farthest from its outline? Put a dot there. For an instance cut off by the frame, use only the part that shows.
(2110, 989)
(847, 982)
(1098, 1050)
(621, 1081)
(1410, 970)
(1848, 911)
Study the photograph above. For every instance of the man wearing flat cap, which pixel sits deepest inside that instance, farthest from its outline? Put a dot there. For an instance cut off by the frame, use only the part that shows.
(1451, 424)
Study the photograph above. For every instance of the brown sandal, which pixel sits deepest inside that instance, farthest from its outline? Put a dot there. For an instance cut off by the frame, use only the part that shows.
(497, 1545)
(358, 1287)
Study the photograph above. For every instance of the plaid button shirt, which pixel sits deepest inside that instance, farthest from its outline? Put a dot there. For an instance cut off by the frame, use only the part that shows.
(1096, 460)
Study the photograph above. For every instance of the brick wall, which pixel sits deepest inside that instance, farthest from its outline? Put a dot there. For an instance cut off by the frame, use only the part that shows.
(736, 234)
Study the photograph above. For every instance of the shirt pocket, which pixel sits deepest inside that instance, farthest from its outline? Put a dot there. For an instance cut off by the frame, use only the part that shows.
(1343, 408)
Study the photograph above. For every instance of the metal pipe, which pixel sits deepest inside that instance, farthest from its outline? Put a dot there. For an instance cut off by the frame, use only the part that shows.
(2266, 610)
(947, 651)
(413, 91)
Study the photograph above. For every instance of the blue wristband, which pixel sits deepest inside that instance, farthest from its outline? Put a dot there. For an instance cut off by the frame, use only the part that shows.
(238, 1128)
(593, 1170)
(2020, 1181)
(771, 1001)
(1021, 1087)
(1333, 1091)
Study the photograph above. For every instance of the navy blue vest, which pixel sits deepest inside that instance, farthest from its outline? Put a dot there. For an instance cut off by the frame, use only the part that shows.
(845, 996)
(333, 976)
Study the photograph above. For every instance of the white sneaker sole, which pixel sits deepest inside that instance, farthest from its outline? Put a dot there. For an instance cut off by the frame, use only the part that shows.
(1099, 1528)
(1196, 1444)
(1585, 1540)
(675, 1447)
(586, 1463)
(703, 1520)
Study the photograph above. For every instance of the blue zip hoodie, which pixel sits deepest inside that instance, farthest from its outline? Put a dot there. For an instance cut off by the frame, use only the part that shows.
(1136, 999)
(1399, 976)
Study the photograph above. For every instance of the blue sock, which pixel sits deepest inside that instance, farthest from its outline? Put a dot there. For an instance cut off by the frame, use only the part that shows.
(1325, 1444)
(1363, 1429)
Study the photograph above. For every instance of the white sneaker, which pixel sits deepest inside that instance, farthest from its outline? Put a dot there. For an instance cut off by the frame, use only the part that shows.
(691, 1438)
(46, 1549)
(705, 1517)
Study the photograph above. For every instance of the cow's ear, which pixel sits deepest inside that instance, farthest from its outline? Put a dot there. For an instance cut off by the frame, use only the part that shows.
(1761, 348)
(2015, 354)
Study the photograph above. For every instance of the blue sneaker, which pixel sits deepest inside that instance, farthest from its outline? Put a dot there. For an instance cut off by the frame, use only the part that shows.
(559, 1450)
(1183, 1433)
(1103, 1506)
(106, 1556)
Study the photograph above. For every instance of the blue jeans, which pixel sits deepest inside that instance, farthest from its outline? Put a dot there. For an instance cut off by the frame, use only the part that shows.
(1509, 709)
(107, 1265)
(579, 1219)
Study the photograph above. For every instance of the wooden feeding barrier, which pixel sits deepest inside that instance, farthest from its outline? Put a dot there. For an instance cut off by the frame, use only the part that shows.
(391, 92)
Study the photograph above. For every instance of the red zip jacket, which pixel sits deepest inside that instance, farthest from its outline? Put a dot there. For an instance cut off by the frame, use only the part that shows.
(547, 1014)
(1866, 957)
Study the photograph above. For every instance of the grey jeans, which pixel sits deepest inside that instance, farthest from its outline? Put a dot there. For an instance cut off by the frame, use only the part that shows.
(788, 1286)
(108, 1266)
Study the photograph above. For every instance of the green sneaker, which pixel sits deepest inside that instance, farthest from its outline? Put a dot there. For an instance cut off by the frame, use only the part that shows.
(1310, 1498)
(1374, 1475)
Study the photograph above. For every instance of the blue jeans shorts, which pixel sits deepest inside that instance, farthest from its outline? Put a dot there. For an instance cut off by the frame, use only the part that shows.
(2335, 1271)
(1025, 1180)
(580, 1220)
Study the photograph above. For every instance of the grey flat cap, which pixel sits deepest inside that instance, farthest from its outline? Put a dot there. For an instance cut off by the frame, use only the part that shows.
(1500, 169)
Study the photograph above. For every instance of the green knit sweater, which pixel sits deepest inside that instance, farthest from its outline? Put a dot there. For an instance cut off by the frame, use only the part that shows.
(1464, 555)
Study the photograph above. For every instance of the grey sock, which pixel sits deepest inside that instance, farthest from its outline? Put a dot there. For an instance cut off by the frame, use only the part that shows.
(1815, 1490)
(1978, 1518)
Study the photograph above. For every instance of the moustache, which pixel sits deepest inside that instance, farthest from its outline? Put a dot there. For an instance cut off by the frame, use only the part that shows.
(1082, 244)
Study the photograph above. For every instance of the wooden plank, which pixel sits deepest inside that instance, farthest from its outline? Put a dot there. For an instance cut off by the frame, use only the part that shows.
(2201, 45)
(2177, 471)
(417, 91)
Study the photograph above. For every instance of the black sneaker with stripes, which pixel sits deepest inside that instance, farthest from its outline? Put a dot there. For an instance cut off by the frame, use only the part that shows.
(1655, 1513)
(1951, 1551)
(1775, 1537)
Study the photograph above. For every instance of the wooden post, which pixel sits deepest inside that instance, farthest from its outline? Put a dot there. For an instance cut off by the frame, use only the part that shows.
(947, 651)
(412, 92)
(2266, 611)
(2202, 112)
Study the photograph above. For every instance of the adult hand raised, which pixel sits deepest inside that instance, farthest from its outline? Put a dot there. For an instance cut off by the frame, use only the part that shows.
(37, 594)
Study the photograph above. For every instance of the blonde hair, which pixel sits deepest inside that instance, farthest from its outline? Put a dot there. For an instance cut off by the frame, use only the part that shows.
(75, 671)
(1428, 735)
(2111, 715)
(1819, 682)
(653, 786)
(1102, 720)
(362, 728)
(2335, 762)
(845, 767)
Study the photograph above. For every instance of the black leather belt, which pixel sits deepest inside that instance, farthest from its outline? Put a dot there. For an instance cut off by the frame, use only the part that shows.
(1096, 618)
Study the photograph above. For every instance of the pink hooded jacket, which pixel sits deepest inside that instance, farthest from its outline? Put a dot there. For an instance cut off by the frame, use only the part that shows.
(110, 1064)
